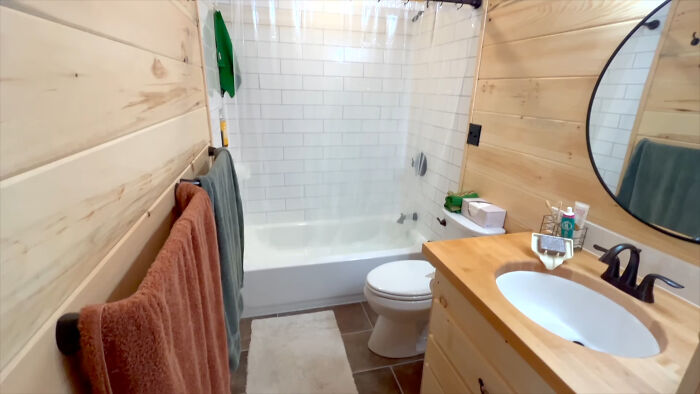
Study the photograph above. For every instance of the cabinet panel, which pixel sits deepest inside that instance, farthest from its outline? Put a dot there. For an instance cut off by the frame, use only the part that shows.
(501, 355)
(447, 377)
(429, 383)
(472, 366)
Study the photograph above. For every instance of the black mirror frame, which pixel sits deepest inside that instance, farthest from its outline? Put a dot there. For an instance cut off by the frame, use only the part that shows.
(588, 127)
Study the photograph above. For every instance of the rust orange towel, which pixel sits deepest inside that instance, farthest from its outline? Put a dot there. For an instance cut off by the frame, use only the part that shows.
(169, 336)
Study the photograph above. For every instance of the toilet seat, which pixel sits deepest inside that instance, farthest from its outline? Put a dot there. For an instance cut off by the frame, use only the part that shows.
(398, 297)
(403, 280)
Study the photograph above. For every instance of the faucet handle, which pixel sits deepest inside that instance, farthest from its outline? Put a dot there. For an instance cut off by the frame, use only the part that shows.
(645, 290)
(599, 248)
(670, 282)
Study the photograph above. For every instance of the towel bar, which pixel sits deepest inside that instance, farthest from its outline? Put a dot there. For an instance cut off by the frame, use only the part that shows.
(474, 3)
(210, 151)
(192, 181)
(67, 334)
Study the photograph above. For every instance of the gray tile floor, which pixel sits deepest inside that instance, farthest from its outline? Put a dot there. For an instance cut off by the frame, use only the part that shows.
(373, 374)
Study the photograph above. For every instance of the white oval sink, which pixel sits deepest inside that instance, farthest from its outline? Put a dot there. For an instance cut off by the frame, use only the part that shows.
(577, 313)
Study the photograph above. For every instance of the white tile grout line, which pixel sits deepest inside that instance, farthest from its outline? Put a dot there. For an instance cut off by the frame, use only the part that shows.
(396, 379)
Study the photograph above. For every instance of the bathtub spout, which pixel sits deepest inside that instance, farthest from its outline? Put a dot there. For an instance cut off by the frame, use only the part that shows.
(401, 219)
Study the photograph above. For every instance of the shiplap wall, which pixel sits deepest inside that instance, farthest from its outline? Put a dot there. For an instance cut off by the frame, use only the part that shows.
(102, 107)
(539, 63)
(206, 10)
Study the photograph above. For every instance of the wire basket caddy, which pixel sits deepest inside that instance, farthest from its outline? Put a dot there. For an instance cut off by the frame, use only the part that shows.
(551, 226)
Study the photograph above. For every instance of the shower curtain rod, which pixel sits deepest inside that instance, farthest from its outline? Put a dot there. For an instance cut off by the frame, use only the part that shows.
(474, 3)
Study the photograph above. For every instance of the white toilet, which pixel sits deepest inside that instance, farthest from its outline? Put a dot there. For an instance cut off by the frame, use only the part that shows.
(399, 292)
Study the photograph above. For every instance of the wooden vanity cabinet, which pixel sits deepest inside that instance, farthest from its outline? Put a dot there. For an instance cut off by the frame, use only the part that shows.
(465, 353)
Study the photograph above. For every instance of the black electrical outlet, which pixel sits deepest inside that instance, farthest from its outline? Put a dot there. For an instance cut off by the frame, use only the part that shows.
(474, 134)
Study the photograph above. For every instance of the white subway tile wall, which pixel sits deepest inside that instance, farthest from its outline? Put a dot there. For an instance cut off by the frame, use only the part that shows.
(617, 100)
(439, 70)
(337, 96)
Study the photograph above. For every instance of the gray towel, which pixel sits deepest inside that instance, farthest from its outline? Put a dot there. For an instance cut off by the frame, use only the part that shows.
(661, 186)
(222, 186)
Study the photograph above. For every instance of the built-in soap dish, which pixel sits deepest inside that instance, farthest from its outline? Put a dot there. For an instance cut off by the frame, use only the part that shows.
(552, 257)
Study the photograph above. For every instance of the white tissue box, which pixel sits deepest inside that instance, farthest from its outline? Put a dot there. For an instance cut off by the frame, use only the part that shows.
(483, 212)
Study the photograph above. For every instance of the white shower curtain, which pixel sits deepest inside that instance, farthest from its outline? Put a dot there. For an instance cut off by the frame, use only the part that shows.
(338, 96)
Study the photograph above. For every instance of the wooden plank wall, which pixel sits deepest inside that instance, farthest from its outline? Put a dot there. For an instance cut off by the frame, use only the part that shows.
(669, 111)
(102, 107)
(539, 62)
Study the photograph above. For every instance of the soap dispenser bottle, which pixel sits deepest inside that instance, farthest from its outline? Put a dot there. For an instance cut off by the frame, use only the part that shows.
(568, 223)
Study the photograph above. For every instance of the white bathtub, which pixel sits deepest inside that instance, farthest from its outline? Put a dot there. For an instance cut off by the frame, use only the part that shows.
(294, 266)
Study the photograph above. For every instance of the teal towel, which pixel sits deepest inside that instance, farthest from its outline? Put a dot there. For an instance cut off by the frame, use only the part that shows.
(661, 186)
(222, 186)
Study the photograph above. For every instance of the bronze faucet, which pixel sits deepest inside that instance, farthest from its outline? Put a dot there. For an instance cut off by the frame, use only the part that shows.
(628, 281)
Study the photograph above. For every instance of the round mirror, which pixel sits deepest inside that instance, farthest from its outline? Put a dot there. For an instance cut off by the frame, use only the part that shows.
(644, 121)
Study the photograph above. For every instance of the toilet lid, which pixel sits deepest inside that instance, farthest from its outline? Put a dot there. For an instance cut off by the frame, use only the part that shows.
(402, 278)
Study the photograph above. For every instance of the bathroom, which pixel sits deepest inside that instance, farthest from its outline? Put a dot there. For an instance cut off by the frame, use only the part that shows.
(353, 128)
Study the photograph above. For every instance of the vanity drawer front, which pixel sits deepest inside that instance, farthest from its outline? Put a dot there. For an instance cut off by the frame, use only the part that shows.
(471, 365)
(505, 360)
(448, 379)
(429, 383)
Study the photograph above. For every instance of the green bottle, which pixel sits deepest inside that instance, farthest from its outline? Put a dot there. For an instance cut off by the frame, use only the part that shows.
(568, 223)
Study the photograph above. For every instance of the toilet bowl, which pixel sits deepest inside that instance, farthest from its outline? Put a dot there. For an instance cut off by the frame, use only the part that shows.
(399, 292)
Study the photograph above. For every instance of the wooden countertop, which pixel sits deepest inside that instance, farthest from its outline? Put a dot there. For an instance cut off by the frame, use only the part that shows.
(472, 265)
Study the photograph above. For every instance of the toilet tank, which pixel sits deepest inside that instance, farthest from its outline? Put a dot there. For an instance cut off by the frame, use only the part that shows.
(458, 226)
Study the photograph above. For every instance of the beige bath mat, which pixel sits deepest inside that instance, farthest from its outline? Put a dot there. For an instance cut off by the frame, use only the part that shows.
(298, 354)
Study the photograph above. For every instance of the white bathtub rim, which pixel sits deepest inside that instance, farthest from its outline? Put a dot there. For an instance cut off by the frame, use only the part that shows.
(340, 258)
(374, 218)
